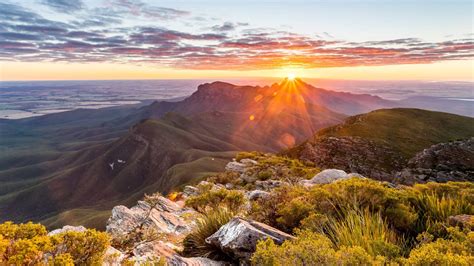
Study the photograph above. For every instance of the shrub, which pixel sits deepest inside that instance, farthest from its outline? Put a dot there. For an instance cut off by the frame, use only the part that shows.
(434, 208)
(247, 155)
(264, 175)
(29, 244)
(211, 199)
(314, 222)
(364, 229)
(309, 248)
(288, 206)
(195, 242)
(275, 210)
(375, 196)
(23, 243)
(458, 249)
(63, 260)
(86, 247)
(353, 256)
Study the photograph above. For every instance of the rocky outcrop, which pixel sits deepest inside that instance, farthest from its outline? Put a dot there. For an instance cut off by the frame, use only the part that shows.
(353, 154)
(164, 217)
(452, 161)
(241, 166)
(238, 238)
(171, 222)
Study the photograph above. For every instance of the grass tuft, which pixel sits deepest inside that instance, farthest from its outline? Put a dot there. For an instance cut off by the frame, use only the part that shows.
(365, 229)
(195, 243)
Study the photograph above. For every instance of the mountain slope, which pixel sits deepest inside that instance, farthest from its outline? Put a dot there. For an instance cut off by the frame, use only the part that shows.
(63, 164)
(381, 142)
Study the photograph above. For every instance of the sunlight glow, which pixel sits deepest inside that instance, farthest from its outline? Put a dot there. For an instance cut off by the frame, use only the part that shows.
(291, 76)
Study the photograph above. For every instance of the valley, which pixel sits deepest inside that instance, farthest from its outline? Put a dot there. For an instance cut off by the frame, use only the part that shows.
(73, 167)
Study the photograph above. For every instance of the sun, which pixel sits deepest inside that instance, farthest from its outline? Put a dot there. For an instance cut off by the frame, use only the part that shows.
(291, 76)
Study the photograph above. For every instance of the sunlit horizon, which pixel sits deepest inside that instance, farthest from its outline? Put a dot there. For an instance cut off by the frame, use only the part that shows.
(133, 39)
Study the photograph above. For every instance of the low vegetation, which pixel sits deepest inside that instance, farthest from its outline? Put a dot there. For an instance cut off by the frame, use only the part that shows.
(211, 199)
(195, 243)
(355, 221)
(29, 244)
(269, 167)
(400, 225)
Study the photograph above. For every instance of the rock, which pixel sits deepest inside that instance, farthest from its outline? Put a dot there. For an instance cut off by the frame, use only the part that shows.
(235, 167)
(355, 175)
(462, 220)
(238, 238)
(379, 161)
(443, 162)
(152, 251)
(269, 184)
(67, 228)
(189, 191)
(257, 194)
(113, 257)
(328, 176)
(249, 162)
(165, 217)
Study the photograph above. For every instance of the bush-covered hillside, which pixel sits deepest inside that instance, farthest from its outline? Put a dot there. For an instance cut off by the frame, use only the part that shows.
(353, 221)
(270, 210)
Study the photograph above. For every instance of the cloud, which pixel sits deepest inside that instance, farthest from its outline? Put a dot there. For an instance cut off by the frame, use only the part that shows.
(227, 26)
(139, 8)
(100, 36)
(64, 6)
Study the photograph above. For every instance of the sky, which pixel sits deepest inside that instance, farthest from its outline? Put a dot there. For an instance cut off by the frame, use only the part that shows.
(164, 39)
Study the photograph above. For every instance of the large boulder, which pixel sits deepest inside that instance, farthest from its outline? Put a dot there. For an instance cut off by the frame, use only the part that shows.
(328, 176)
(238, 238)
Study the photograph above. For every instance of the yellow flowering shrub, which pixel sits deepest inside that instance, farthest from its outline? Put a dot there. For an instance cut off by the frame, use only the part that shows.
(29, 244)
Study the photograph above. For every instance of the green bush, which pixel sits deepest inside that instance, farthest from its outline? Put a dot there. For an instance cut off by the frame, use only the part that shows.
(308, 248)
(435, 208)
(364, 229)
(209, 200)
(457, 249)
(289, 205)
(194, 244)
(264, 175)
